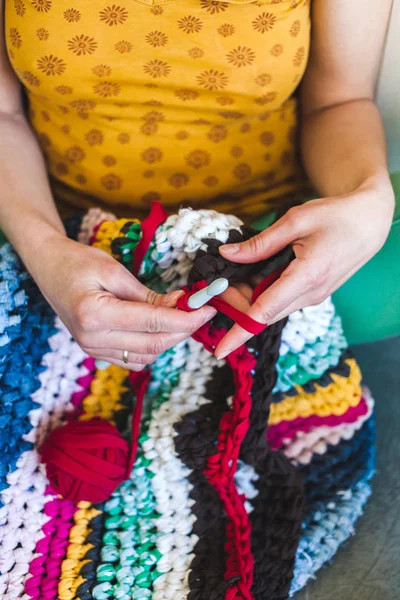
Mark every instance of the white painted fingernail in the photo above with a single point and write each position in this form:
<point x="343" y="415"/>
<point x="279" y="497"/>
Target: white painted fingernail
<point x="101" y="364"/>
<point x="221" y="356"/>
<point x="209" y="315"/>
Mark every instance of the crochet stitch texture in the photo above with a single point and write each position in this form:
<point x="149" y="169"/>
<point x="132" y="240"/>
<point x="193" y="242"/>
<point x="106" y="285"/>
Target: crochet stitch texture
<point x="249" y="474"/>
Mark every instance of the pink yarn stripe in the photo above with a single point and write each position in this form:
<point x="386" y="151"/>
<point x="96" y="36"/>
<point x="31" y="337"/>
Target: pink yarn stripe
<point x="51" y="549"/>
<point x="276" y="434"/>
<point x="46" y="568"/>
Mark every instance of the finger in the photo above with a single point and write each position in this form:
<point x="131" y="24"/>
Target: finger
<point x="138" y="343"/>
<point x="264" y="244"/>
<point x="121" y="315"/>
<point x="311" y="299"/>
<point x="245" y="289"/>
<point x="115" y="356"/>
<point x="120" y="282"/>
<point x="130" y="366"/>
<point x="235" y="297"/>
<point x="291" y="285"/>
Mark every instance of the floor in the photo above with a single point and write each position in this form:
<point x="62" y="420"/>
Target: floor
<point x="368" y="567"/>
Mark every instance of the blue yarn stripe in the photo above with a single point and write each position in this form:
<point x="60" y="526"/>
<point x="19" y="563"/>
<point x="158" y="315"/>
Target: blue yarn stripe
<point x="328" y="530"/>
<point x="26" y="323"/>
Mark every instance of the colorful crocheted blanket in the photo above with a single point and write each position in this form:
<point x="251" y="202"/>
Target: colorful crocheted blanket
<point x="250" y="472"/>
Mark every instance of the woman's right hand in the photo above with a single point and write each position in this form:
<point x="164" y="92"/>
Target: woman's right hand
<point x="106" y="309"/>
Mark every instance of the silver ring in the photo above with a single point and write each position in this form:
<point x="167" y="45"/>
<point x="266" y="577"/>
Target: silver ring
<point x="125" y="356"/>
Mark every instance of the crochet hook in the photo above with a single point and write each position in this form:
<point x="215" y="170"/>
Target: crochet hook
<point x="197" y="300"/>
<point x="201" y="297"/>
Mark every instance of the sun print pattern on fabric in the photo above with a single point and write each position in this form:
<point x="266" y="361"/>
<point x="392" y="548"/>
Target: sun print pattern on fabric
<point x="91" y="68"/>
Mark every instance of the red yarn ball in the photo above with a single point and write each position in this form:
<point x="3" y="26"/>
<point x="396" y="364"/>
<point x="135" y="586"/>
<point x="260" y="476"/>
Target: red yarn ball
<point x="85" y="460"/>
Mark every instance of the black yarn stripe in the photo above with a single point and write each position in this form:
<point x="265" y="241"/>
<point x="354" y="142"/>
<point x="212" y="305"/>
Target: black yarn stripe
<point x="340" y="468"/>
<point x="278" y="508"/>
<point x="342" y="369"/>
<point x="88" y="570"/>
<point x="95" y="537"/>
<point x="195" y="442"/>
<point x="121" y="241"/>
<point x="210" y="264"/>
<point x="266" y="350"/>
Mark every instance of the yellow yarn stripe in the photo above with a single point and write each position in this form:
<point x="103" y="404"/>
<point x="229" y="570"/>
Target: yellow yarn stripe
<point x="105" y="394"/>
<point x="108" y="231"/>
<point x="103" y="401"/>
<point x="334" y="399"/>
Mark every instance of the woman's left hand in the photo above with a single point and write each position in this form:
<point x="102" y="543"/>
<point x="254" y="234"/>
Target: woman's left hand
<point x="331" y="237"/>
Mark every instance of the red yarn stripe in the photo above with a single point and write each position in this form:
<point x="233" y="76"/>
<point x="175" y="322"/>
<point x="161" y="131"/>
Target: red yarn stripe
<point x="221" y="467"/>
<point x="139" y="381"/>
<point x="277" y="434"/>
<point x="156" y="216"/>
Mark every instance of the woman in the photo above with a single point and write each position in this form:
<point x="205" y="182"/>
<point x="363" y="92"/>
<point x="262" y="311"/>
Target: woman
<point x="191" y="103"/>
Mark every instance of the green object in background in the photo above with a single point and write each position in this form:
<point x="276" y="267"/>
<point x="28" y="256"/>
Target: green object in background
<point x="369" y="303"/>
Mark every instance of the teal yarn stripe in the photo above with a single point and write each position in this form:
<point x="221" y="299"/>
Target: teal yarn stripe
<point x="313" y="360"/>
<point x="129" y="552"/>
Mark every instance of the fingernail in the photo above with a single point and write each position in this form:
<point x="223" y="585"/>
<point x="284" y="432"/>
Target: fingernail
<point x="172" y="298"/>
<point x="210" y="313"/>
<point x="230" y="248"/>
<point x="222" y="355"/>
<point x="176" y="295"/>
<point x="102" y="364"/>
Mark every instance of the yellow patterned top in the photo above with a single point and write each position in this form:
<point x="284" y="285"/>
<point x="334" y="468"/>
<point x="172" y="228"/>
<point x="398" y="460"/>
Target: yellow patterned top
<point x="186" y="101"/>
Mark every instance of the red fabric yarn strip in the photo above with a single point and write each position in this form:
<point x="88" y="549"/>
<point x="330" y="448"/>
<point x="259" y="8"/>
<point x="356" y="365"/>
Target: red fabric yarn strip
<point x="149" y="226"/>
<point x="92" y="238"/>
<point x="139" y="381"/>
<point x="247" y="323"/>
<point x="221" y="467"/>
<point x="85" y="460"/>
<point x="267" y="282"/>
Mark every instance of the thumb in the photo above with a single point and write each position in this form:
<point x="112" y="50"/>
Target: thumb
<point x="125" y="286"/>
<point x="263" y="245"/>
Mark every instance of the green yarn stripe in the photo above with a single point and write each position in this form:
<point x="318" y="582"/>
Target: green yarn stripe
<point x="129" y="552"/>
<point x="132" y="236"/>
<point x="313" y="360"/>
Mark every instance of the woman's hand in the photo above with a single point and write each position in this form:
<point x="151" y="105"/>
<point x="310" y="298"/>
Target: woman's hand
<point x="331" y="238"/>
<point x="106" y="309"/>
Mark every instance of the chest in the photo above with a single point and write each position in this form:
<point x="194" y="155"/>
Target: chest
<point x="118" y="51"/>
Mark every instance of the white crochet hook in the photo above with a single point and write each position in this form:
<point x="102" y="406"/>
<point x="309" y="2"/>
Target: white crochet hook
<point x="201" y="297"/>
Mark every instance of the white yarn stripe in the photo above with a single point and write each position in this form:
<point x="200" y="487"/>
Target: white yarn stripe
<point x="180" y="237"/>
<point x="22" y="517"/>
<point x="306" y="326"/>
<point x="304" y="445"/>
<point x="170" y="485"/>
<point x="245" y="477"/>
